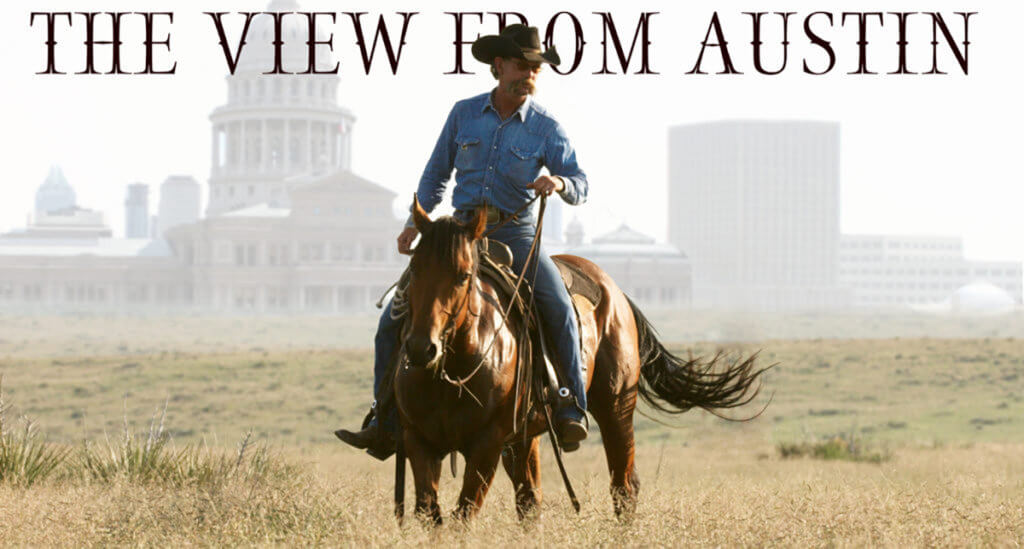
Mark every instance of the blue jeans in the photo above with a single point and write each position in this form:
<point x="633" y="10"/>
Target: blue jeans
<point x="557" y="314"/>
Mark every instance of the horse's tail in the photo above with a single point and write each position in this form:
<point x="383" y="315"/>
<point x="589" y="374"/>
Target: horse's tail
<point x="674" y="385"/>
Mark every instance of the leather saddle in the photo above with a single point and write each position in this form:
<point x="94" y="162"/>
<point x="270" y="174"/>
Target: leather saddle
<point x="585" y="292"/>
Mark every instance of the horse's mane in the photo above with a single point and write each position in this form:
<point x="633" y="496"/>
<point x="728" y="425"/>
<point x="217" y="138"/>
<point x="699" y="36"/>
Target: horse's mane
<point x="442" y="240"/>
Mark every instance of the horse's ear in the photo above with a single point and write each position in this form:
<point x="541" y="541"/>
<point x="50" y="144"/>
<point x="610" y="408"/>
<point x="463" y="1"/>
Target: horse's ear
<point x="419" y="217"/>
<point x="478" y="225"/>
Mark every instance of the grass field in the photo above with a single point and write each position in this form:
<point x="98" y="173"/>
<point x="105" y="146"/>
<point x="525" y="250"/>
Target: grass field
<point x="945" y="415"/>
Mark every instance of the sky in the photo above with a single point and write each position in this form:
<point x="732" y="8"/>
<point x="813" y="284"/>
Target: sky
<point x="920" y="154"/>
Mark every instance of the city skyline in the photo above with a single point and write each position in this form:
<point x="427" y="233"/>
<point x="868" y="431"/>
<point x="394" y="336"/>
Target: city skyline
<point x="914" y="159"/>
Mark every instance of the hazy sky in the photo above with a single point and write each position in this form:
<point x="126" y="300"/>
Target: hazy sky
<point x="920" y="154"/>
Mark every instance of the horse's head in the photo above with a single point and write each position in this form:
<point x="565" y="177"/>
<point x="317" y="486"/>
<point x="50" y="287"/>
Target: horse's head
<point x="444" y="267"/>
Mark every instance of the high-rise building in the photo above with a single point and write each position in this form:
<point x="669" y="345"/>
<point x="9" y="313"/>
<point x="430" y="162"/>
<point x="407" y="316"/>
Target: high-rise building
<point x="179" y="203"/>
<point x="275" y="127"/>
<point x="755" y="206"/>
<point x="136" y="211"/>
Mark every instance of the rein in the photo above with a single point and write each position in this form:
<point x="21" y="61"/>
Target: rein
<point x="460" y="382"/>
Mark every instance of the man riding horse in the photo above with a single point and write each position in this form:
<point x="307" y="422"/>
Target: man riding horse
<point x="497" y="142"/>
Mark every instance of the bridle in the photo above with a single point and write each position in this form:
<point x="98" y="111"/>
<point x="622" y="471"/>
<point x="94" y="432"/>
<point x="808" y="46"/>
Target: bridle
<point x="449" y="328"/>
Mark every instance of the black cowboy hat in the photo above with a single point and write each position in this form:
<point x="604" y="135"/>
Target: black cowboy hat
<point x="517" y="41"/>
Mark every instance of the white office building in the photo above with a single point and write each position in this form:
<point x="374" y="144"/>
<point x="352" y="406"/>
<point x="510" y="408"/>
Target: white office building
<point x="755" y="206"/>
<point x="894" y="271"/>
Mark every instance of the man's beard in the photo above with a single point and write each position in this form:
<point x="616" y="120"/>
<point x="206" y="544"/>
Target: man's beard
<point x="523" y="86"/>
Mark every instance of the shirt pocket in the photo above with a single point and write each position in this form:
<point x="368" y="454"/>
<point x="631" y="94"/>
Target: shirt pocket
<point x="524" y="164"/>
<point x="469" y="154"/>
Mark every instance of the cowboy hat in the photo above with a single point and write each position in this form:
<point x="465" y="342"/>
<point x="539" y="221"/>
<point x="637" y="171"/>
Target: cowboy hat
<point x="517" y="41"/>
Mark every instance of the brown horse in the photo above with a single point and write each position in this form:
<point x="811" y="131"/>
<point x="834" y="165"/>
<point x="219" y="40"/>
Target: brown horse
<point x="455" y="314"/>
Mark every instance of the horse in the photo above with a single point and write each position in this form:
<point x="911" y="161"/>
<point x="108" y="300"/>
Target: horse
<point x="455" y="314"/>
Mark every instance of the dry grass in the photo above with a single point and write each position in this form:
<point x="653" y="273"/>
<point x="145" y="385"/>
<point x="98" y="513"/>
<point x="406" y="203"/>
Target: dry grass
<point x="724" y="494"/>
<point x="945" y="413"/>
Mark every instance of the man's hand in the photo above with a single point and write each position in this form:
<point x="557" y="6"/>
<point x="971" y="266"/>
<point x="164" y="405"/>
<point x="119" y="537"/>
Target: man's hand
<point x="405" y="240"/>
<point x="546" y="185"/>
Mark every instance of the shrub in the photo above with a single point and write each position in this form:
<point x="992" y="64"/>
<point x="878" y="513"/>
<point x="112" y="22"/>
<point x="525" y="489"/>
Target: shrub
<point x="152" y="458"/>
<point x="24" y="457"/>
<point x="844" y="446"/>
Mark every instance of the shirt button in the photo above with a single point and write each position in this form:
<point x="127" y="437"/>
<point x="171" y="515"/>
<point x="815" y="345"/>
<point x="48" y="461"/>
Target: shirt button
<point x="490" y="168"/>
<point x="495" y="147"/>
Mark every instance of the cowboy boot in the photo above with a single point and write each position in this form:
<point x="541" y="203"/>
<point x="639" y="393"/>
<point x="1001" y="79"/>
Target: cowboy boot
<point x="570" y="426"/>
<point x="362" y="439"/>
<point x="378" y="442"/>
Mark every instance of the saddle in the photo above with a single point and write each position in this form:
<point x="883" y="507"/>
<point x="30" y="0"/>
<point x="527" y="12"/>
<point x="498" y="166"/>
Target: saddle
<point x="585" y="292"/>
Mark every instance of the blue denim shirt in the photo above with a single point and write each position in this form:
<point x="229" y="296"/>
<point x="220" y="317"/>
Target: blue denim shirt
<point x="495" y="159"/>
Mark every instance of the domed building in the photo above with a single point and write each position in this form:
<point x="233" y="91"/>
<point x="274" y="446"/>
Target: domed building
<point x="654" y="275"/>
<point x="288" y="226"/>
<point x="981" y="297"/>
<point x="276" y="126"/>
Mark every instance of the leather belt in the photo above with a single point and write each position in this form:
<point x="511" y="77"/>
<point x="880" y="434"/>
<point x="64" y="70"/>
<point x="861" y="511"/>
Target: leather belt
<point x="494" y="215"/>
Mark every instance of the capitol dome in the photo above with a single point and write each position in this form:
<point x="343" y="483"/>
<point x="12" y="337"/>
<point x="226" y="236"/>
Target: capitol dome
<point x="258" y="54"/>
<point x="55" y="193"/>
<point x="981" y="297"/>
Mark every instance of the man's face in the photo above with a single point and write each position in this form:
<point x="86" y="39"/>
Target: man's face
<point x="518" y="76"/>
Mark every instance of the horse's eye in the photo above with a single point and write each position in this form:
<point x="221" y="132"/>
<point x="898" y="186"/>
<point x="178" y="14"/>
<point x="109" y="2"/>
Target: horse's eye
<point x="463" y="278"/>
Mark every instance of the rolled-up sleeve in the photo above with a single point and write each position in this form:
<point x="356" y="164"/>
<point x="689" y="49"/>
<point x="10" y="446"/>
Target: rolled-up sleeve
<point x="560" y="159"/>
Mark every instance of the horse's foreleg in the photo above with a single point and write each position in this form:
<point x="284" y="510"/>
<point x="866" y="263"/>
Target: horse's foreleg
<point x="426" y="473"/>
<point x="523" y="466"/>
<point x="481" y="463"/>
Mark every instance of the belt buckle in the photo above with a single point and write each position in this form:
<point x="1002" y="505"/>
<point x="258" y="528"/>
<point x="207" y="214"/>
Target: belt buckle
<point x="493" y="215"/>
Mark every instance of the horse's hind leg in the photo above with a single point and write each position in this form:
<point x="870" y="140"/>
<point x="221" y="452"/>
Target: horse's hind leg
<point x="426" y="473"/>
<point x="614" y="414"/>
<point x="522" y="463"/>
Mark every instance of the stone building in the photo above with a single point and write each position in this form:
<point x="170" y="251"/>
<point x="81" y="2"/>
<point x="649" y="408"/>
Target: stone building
<point x="332" y="251"/>
<point x="274" y="127"/>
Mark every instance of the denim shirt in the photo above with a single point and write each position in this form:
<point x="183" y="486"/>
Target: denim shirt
<point x="495" y="159"/>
